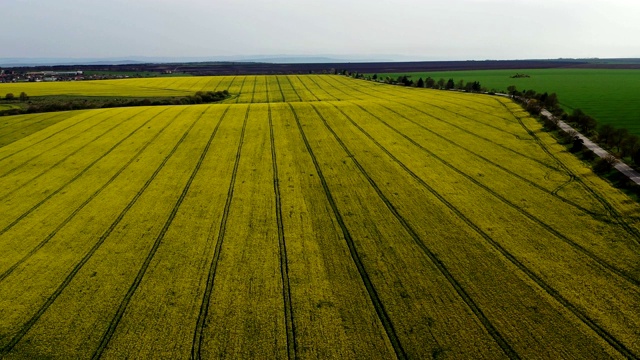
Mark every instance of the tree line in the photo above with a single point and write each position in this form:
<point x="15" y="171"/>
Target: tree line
<point x="50" y="104"/>
<point x="618" y="141"/>
<point x="429" y="82"/>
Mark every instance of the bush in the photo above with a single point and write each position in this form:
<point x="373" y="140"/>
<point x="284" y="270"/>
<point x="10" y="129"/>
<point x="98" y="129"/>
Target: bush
<point x="588" y="154"/>
<point x="604" y="165"/>
<point x="577" y="144"/>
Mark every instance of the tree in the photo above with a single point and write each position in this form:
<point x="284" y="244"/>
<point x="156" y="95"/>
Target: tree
<point x="605" y="132"/>
<point x="404" y="80"/>
<point x="551" y="101"/>
<point x="512" y="90"/>
<point x="636" y="156"/>
<point x="24" y="96"/>
<point x="460" y="84"/>
<point x="630" y="145"/>
<point x="576" y="115"/>
<point x="588" y="125"/>
<point x="619" y="136"/>
<point x="584" y="121"/>
<point x="577" y="144"/>
<point x="468" y="86"/>
<point x="604" y="165"/>
<point x="9" y="96"/>
<point x="533" y="107"/>
<point x="476" y="86"/>
<point x="420" y="83"/>
<point x="375" y="77"/>
<point x="429" y="82"/>
<point x="450" y="84"/>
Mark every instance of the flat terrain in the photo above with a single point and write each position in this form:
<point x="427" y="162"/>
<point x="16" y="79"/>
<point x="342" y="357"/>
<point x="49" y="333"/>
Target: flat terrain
<point x="610" y="96"/>
<point x="308" y="217"/>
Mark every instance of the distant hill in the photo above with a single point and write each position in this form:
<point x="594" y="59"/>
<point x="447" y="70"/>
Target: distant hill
<point x="274" y="59"/>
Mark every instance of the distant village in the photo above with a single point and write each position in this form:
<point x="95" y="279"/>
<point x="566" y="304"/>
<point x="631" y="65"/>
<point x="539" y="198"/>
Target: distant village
<point x="13" y="76"/>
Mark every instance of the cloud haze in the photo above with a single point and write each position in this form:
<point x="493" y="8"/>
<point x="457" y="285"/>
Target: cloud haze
<point x="453" y="29"/>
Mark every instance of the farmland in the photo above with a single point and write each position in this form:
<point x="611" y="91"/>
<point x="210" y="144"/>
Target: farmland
<point x="609" y="95"/>
<point x="307" y="217"/>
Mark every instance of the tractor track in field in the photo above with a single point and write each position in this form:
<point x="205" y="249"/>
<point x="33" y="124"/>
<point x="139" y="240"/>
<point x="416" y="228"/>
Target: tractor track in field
<point x="409" y="98"/>
<point x="406" y="98"/>
<point x="33" y="123"/>
<point x="373" y="294"/>
<point x="217" y="85"/>
<point x="459" y="128"/>
<point x="255" y="83"/>
<point x="70" y="154"/>
<point x="115" y="321"/>
<point x="562" y="167"/>
<point x="76" y="177"/>
<point x="292" y="346"/>
<point x="349" y="97"/>
<point x="604" y="334"/>
<point x="408" y="93"/>
<point x="51" y="299"/>
<point x="231" y="82"/>
<point x="280" y="88"/>
<point x="10" y="171"/>
<point x="206" y="86"/>
<point x="36" y="117"/>
<point x="481" y="137"/>
<point x="98" y="113"/>
<point x="608" y="207"/>
<point x="293" y="88"/>
<point x="553" y="193"/>
<point x="323" y="89"/>
<point x="306" y="88"/>
<point x="175" y="81"/>
<point x="493" y="332"/>
<point x="8" y="272"/>
<point x="569" y="202"/>
<point x="198" y="333"/>
<point x="241" y="88"/>
<point x="621" y="273"/>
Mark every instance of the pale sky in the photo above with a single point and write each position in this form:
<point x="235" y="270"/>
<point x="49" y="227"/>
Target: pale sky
<point x="420" y="29"/>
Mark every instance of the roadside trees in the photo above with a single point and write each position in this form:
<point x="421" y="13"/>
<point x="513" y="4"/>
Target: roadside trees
<point x="619" y="136"/>
<point x="430" y="82"/>
<point x="450" y="84"/>
<point x="605" y="132"/>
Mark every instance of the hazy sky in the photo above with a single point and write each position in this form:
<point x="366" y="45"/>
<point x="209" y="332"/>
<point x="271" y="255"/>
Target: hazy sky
<point x="420" y="29"/>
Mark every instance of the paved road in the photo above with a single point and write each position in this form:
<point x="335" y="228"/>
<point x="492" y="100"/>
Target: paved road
<point x="622" y="167"/>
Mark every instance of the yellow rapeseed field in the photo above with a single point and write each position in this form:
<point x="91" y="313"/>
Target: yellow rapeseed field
<point x="307" y="216"/>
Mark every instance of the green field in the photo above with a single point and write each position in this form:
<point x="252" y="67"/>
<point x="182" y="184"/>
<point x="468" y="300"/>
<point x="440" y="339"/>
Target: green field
<point x="309" y="217"/>
<point x="610" y="96"/>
